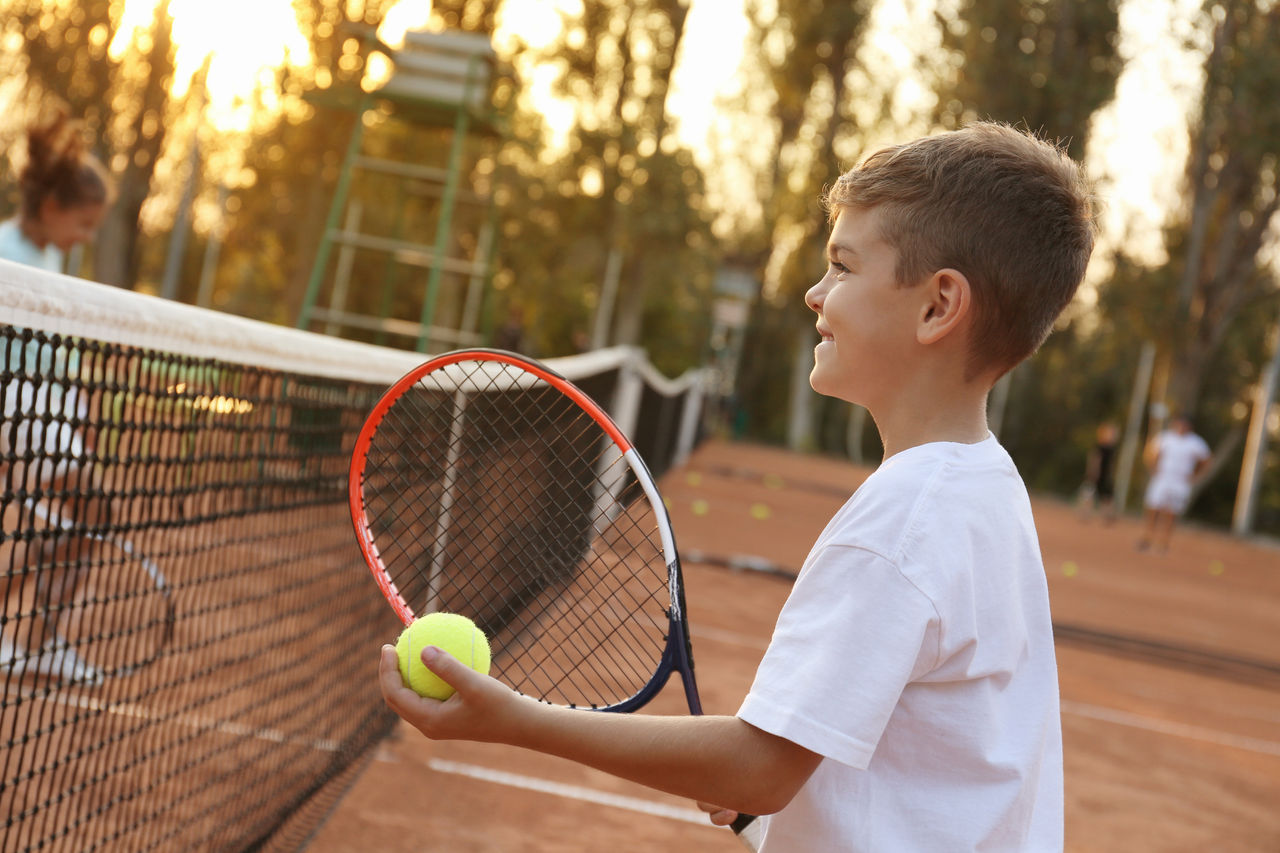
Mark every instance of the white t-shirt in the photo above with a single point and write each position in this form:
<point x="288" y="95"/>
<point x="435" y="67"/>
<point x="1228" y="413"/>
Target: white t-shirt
<point x="14" y="246"/>
<point x="915" y="654"/>
<point x="1179" y="453"/>
<point x="25" y="404"/>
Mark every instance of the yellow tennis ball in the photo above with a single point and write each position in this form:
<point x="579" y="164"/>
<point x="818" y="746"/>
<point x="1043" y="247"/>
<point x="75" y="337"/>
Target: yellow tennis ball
<point x="454" y="633"/>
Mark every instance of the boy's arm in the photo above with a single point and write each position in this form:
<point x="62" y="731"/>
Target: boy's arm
<point x="717" y="759"/>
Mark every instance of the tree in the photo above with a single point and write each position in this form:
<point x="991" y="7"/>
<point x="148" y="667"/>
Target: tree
<point x="1048" y="64"/>
<point x="1232" y="170"/>
<point x="615" y="60"/>
<point x="803" y="53"/>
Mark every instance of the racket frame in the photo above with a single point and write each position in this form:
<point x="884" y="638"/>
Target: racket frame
<point x="677" y="654"/>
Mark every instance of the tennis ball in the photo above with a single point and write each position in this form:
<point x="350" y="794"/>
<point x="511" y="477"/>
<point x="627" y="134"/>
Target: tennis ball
<point x="454" y="633"/>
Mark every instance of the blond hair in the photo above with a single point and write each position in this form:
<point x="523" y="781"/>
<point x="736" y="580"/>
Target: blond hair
<point x="1010" y="211"/>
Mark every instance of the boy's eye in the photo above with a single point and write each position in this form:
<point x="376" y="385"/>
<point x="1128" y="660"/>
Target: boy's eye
<point x="840" y="269"/>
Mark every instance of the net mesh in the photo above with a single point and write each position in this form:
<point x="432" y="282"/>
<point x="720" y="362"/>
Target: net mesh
<point x="189" y="630"/>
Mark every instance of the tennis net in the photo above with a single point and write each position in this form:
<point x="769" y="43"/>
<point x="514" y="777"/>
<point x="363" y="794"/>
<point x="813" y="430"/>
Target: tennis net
<point x="189" y="632"/>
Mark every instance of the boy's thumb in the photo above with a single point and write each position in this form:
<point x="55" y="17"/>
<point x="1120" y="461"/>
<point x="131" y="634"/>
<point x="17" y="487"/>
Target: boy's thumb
<point x="445" y="665"/>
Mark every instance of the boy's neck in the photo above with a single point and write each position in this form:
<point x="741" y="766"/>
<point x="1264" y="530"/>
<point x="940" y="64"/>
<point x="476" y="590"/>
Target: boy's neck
<point x="959" y="416"/>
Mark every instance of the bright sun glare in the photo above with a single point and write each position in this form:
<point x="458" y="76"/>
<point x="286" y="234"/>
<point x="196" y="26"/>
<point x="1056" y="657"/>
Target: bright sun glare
<point x="243" y="56"/>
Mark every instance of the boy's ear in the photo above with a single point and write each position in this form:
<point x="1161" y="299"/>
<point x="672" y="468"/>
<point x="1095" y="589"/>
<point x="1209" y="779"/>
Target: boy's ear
<point x="948" y="301"/>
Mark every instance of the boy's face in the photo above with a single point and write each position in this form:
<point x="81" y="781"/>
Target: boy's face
<point x="866" y="320"/>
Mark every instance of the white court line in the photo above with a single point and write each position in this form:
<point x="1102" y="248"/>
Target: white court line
<point x="635" y="804"/>
<point x="138" y="712"/>
<point x="1164" y="727"/>
<point x="731" y="637"/>
<point x="570" y="792"/>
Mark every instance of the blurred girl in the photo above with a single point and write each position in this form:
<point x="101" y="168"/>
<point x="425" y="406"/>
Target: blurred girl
<point x="44" y="453"/>
<point x="65" y="193"/>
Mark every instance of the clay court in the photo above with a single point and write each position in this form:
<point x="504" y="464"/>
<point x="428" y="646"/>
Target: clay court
<point x="1169" y="670"/>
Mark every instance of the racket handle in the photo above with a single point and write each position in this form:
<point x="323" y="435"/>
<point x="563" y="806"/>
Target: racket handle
<point x="747" y="828"/>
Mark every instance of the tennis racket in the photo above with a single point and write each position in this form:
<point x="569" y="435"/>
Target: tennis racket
<point x="122" y="614"/>
<point x="486" y="484"/>
<point x="99" y="597"/>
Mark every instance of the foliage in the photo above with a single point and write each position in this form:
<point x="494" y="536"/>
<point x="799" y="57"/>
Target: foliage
<point x="803" y="53"/>
<point x="619" y="183"/>
<point x="1210" y="307"/>
<point x="1232" y="170"/>
<point x="1045" y="64"/>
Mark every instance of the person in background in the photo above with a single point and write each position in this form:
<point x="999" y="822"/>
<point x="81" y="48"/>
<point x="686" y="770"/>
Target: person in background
<point x="65" y="193"/>
<point x="1178" y="457"/>
<point x="1098" y="491"/>
<point x="44" y="453"/>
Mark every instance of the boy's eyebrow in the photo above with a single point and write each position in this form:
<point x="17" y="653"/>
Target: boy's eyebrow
<point x="834" y="248"/>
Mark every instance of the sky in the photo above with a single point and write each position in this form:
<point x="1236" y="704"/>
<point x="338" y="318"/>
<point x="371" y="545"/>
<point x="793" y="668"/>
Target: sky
<point x="1139" y="140"/>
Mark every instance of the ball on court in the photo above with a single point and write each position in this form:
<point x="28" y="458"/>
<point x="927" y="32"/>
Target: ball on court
<point x="454" y="633"/>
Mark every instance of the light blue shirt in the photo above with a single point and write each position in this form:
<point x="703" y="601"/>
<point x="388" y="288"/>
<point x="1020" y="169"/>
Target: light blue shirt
<point x="14" y="246"/>
<point x="55" y="364"/>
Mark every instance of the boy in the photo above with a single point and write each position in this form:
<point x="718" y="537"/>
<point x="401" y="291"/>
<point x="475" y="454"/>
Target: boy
<point x="908" y="699"/>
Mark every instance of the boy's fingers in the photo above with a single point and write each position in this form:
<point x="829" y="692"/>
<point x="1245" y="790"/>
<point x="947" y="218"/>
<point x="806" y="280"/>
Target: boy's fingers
<point x="387" y="660"/>
<point x="394" y="690"/>
<point x="719" y="816"/>
<point x="389" y="668"/>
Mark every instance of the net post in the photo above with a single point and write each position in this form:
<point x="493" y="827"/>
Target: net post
<point x="690" y="417"/>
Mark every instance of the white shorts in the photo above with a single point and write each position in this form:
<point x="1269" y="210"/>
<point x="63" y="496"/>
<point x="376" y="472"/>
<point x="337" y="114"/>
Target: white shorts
<point x="1169" y="495"/>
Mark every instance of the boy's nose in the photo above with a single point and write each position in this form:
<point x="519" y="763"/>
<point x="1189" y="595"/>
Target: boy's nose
<point x="813" y="298"/>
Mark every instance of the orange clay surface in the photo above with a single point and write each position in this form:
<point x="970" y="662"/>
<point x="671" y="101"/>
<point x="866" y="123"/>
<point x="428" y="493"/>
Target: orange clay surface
<point x="1159" y="756"/>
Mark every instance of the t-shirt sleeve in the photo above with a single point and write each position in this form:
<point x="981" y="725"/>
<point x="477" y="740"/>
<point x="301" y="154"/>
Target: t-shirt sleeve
<point x="851" y="636"/>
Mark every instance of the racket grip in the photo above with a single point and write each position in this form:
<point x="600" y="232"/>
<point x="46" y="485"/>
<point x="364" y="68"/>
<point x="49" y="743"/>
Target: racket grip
<point x="747" y="828"/>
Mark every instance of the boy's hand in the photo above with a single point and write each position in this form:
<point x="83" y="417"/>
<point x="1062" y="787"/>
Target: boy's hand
<point x="482" y="709"/>
<point x="719" y="816"/>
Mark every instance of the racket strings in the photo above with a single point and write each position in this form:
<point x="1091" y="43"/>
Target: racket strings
<point x="596" y="618"/>
<point x="524" y="516"/>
